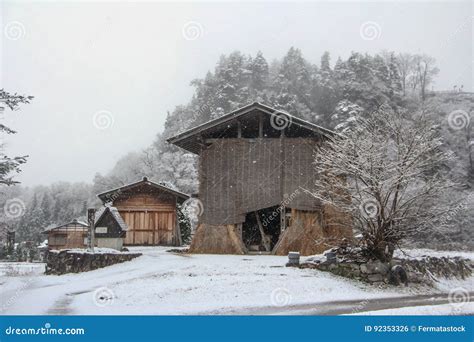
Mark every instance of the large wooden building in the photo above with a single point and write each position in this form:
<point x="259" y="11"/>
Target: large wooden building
<point x="256" y="175"/>
<point x="149" y="210"/>
<point x="66" y="236"/>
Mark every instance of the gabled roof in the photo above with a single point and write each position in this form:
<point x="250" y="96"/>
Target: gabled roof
<point x="73" y="223"/>
<point x="115" y="214"/>
<point x="186" y="139"/>
<point x="107" y="195"/>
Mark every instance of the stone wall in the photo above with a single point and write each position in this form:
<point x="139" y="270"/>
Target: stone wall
<point x="397" y="271"/>
<point x="109" y="242"/>
<point x="73" y="261"/>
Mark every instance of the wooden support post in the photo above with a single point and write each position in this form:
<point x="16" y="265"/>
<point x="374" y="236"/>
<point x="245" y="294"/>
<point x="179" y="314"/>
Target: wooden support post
<point x="239" y="130"/>
<point x="265" y="238"/>
<point x="260" y="126"/>
<point x="91" y="222"/>
<point x="282" y="180"/>
<point x="178" y="240"/>
<point x="282" y="218"/>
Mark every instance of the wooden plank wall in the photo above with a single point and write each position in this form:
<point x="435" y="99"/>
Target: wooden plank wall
<point x="238" y="176"/>
<point x="75" y="238"/>
<point x="151" y="219"/>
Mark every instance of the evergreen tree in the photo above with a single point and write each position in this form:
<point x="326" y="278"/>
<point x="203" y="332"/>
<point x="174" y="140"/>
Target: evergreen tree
<point x="259" y="68"/>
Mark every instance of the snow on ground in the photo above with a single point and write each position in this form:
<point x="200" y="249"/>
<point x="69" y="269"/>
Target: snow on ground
<point x="97" y="250"/>
<point x="444" y="309"/>
<point x="168" y="283"/>
<point x="11" y="269"/>
<point x="420" y="252"/>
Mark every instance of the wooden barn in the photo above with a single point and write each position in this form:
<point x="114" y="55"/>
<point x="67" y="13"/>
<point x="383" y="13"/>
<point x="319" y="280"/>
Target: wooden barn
<point x="256" y="173"/>
<point x="149" y="210"/>
<point x="68" y="235"/>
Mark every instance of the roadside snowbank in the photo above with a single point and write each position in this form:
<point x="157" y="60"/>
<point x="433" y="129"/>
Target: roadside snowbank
<point x="444" y="309"/>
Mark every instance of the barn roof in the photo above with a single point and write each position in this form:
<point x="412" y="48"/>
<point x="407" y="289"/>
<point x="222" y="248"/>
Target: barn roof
<point x="107" y="195"/>
<point x="115" y="214"/>
<point x="189" y="140"/>
<point x="73" y="223"/>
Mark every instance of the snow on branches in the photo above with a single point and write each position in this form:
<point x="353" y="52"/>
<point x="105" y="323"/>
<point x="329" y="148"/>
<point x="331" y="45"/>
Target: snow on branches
<point x="387" y="172"/>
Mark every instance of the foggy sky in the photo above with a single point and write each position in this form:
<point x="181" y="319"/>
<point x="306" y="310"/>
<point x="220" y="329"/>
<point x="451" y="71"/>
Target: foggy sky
<point x="133" y="62"/>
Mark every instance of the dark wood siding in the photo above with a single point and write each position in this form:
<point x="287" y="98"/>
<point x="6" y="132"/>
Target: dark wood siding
<point x="238" y="176"/>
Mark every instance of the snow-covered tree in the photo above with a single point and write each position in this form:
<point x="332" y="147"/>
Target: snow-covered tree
<point x="10" y="165"/>
<point x="386" y="172"/>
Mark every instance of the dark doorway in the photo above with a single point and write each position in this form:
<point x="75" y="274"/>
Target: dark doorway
<point x="268" y="223"/>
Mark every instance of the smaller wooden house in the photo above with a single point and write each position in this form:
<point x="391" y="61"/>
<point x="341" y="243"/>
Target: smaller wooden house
<point x="149" y="210"/>
<point x="110" y="228"/>
<point x="68" y="235"/>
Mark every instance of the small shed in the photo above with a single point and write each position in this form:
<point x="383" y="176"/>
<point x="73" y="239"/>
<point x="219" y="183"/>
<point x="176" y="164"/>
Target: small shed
<point x="256" y="177"/>
<point x="149" y="210"/>
<point x="110" y="228"/>
<point x="68" y="235"/>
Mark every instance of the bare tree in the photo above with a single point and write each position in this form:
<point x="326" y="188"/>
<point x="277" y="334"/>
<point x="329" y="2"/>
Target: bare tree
<point x="425" y="72"/>
<point x="386" y="173"/>
<point x="406" y="69"/>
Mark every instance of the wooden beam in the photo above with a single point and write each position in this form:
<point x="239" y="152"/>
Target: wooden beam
<point x="265" y="239"/>
<point x="239" y="129"/>
<point x="282" y="219"/>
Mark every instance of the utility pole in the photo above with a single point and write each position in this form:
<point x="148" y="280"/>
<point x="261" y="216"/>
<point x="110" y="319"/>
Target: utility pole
<point x="91" y="223"/>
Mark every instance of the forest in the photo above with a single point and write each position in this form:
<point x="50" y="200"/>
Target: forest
<point x="328" y="93"/>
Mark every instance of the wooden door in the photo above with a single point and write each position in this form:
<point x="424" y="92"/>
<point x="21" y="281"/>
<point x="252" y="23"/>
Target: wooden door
<point x="149" y="227"/>
<point x="162" y="223"/>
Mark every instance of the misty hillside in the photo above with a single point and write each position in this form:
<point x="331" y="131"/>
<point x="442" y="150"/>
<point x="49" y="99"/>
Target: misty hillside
<point x="328" y="93"/>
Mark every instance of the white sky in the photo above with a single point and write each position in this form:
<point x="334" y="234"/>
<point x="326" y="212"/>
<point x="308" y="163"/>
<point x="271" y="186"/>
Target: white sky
<point x="131" y="59"/>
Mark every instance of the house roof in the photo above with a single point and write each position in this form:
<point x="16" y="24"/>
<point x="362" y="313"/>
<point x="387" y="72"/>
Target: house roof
<point x="115" y="214"/>
<point x="74" y="223"/>
<point x="107" y="195"/>
<point x="188" y="140"/>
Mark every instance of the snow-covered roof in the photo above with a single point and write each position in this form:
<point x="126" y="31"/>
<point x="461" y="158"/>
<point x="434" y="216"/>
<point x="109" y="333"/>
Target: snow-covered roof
<point x="115" y="214"/>
<point x="190" y="139"/>
<point x="107" y="195"/>
<point x="70" y="225"/>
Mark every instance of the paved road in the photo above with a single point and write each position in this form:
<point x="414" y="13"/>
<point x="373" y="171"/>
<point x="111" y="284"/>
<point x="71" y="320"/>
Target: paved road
<point x="349" y="306"/>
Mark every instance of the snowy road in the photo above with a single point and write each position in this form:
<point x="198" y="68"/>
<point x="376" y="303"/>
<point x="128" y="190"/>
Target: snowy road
<point x="165" y="283"/>
<point x="354" y="307"/>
